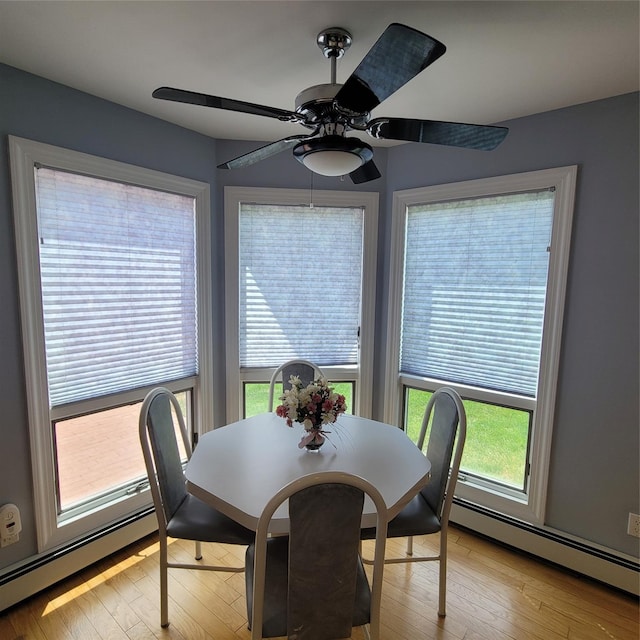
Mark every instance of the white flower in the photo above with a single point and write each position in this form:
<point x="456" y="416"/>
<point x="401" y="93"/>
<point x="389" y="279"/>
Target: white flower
<point x="313" y="405"/>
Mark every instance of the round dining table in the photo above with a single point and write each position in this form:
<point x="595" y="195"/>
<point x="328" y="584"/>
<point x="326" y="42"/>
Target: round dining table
<point x="239" y="467"/>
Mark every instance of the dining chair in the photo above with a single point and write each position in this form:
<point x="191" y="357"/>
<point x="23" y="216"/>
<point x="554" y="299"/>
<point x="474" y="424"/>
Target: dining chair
<point x="179" y="514"/>
<point x="305" y="370"/>
<point x="311" y="584"/>
<point x="428" y="512"/>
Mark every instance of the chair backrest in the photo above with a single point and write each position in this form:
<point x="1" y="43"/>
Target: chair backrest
<point x="161" y="452"/>
<point x="304" y="369"/>
<point x="446" y="415"/>
<point x="325" y="513"/>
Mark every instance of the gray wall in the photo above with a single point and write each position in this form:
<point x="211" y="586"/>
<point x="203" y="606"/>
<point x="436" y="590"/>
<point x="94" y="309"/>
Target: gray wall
<point x="594" y="476"/>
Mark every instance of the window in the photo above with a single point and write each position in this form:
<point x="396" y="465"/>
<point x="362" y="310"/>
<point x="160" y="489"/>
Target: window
<point x="300" y="280"/>
<point x="480" y="270"/>
<point x="110" y="258"/>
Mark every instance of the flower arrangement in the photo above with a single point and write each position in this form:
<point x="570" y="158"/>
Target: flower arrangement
<point x="314" y="406"/>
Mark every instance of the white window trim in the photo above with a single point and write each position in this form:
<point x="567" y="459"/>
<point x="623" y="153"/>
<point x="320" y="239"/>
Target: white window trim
<point x="24" y="155"/>
<point x="531" y="506"/>
<point x="233" y="197"/>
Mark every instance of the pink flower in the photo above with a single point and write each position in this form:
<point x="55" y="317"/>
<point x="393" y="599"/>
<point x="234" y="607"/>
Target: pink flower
<point x="312" y="405"/>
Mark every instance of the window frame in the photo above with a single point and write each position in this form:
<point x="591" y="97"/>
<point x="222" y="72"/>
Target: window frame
<point x="51" y="530"/>
<point x="361" y="375"/>
<point x="529" y="506"/>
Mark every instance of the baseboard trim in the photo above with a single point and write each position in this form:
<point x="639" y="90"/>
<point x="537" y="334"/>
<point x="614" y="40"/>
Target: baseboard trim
<point x="604" y="565"/>
<point x="23" y="580"/>
<point x="622" y="572"/>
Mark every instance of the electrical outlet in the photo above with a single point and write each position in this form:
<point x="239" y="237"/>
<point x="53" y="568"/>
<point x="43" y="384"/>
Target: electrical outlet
<point x="633" y="528"/>
<point x="10" y="524"/>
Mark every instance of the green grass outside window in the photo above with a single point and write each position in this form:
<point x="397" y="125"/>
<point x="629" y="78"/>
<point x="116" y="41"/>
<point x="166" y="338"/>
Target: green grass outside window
<point x="497" y="438"/>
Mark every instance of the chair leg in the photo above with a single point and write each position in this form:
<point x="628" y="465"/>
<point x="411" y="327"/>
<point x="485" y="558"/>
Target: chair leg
<point x="198" y="550"/>
<point x="442" y="580"/>
<point x="164" y="598"/>
<point x="410" y="546"/>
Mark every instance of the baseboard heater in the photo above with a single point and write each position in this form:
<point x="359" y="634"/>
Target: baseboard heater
<point x="616" y="570"/>
<point x="25" y="579"/>
<point x="580" y="556"/>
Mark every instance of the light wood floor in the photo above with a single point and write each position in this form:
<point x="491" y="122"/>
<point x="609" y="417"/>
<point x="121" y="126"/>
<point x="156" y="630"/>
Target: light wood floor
<point x="493" y="594"/>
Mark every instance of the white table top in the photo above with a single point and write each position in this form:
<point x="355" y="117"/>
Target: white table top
<point x="239" y="467"/>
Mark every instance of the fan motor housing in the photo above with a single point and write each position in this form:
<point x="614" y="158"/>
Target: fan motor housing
<point x="316" y="105"/>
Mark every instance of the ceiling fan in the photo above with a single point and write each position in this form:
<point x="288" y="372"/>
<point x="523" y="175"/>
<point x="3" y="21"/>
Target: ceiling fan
<point x="332" y="110"/>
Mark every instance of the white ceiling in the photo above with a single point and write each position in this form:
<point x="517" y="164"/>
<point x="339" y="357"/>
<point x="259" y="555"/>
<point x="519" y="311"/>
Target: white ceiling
<point x="504" y="59"/>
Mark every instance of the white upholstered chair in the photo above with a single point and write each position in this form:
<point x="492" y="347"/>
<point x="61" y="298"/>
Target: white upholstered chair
<point x="428" y="512"/>
<point x="311" y="585"/>
<point x="179" y="514"/>
<point x="307" y="372"/>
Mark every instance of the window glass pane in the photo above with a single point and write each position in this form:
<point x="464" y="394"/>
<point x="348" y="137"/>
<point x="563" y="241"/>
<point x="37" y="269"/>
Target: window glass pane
<point x="300" y="284"/>
<point x="475" y="279"/>
<point x="497" y="441"/>
<point x="100" y="452"/>
<point x="118" y="271"/>
<point x="256" y="396"/>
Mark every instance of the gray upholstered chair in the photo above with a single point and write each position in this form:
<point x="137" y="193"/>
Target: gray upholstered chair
<point x="304" y="369"/>
<point x="429" y="510"/>
<point x="179" y="514"/>
<point x="311" y="585"/>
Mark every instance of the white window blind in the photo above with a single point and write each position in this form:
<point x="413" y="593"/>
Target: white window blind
<point x="118" y="274"/>
<point x="475" y="280"/>
<point x="300" y="284"/>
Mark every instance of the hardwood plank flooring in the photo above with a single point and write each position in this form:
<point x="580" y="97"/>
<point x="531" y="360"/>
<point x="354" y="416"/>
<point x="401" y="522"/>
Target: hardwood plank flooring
<point x="493" y="594"/>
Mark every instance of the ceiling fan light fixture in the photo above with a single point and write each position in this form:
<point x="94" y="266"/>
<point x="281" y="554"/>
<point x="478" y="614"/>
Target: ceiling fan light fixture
<point x="333" y="155"/>
<point x="332" y="163"/>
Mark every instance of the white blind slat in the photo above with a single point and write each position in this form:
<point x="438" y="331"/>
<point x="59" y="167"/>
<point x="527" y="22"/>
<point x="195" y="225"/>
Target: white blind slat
<point x="118" y="275"/>
<point x="300" y="284"/>
<point x="475" y="279"/>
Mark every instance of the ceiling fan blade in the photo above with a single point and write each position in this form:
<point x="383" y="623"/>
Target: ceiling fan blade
<point x="216" y="102"/>
<point x="262" y="153"/>
<point x="455" y="134"/>
<point x="368" y="171"/>
<point x="399" y="55"/>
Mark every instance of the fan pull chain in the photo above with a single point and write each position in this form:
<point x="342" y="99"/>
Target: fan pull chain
<point x="311" y="192"/>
